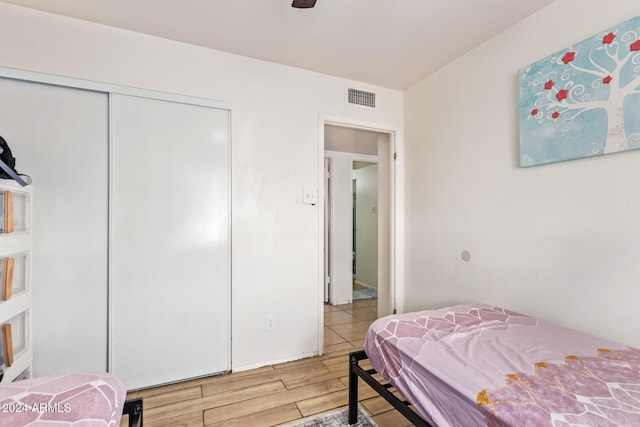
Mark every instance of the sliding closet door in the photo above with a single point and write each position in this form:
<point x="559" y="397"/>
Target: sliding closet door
<point x="59" y="136"/>
<point x="170" y="241"/>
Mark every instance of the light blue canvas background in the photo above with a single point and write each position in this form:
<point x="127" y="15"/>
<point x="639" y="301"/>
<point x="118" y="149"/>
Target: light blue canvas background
<point x="548" y="140"/>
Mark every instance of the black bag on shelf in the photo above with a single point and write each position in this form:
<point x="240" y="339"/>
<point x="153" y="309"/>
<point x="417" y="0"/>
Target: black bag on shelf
<point x="8" y="165"/>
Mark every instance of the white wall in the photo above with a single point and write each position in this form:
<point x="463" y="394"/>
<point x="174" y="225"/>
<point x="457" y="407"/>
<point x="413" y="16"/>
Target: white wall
<point x="559" y="241"/>
<point x="275" y="149"/>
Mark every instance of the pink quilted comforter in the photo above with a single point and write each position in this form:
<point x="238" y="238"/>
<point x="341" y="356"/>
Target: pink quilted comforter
<point x="474" y="365"/>
<point x="79" y="400"/>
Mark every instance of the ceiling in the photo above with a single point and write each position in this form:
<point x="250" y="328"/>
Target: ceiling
<point x="390" y="43"/>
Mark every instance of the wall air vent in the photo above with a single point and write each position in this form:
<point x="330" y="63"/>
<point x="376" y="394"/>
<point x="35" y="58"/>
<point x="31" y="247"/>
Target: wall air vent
<point x="360" y="97"/>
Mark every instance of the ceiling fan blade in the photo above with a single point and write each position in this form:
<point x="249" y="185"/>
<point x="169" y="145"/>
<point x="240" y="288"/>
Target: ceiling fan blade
<point x="303" y="4"/>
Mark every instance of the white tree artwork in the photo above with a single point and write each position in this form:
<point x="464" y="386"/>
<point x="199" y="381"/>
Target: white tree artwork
<point x="584" y="100"/>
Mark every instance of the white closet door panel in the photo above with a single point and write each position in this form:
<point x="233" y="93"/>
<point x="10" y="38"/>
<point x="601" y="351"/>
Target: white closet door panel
<point x="170" y="241"/>
<point x="59" y="136"/>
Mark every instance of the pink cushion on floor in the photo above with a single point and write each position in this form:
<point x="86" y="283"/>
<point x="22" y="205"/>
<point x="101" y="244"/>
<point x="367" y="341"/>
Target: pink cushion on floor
<point x="79" y="400"/>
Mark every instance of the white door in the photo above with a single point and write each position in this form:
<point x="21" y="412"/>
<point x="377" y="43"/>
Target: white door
<point x="59" y="136"/>
<point x="170" y="241"/>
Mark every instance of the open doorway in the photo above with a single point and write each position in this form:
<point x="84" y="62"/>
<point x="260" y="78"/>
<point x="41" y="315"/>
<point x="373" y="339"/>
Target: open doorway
<point x="365" y="229"/>
<point x="354" y="259"/>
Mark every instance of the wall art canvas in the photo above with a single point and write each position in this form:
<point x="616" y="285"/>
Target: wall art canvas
<point x="583" y="100"/>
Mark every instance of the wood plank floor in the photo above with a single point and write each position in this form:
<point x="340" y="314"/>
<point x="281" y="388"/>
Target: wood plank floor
<point x="277" y="394"/>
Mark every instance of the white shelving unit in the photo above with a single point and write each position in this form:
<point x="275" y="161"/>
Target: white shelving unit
<point x="15" y="248"/>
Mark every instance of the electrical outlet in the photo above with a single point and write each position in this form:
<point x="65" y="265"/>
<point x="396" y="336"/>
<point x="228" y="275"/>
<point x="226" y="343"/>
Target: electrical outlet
<point x="271" y="323"/>
<point x="309" y="197"/>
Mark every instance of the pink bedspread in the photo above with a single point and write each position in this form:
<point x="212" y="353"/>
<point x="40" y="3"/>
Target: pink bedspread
<point x="454" y="365"/>
<point x="79" y="400"/>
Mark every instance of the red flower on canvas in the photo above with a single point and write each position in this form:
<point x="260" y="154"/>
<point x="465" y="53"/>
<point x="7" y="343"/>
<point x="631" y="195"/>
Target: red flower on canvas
<point x="562" y="94"/>
<point x="568" y="57"/>
<point x="555" y="115"/>
<point x="548" y="85"/>
<point x="607" y="80"/>
<point x="635" y="45"/>
<point x="608" y="39"/>
<point x="534" y="111"/>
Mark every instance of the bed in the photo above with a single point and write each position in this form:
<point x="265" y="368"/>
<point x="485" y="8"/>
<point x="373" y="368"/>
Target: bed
<point x="477" y="365"/>
<point x="68" y="400"/>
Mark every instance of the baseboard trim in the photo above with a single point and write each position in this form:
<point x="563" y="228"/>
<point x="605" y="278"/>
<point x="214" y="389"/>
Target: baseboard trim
<point x="274" y="362"/>
<point x="366" y="285"/>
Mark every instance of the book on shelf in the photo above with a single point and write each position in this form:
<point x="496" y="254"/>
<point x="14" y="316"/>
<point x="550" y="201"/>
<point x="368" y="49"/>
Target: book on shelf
<point x="7" y="277"/>
<point x="7" y="340"/>
<point x="8" y="212"/>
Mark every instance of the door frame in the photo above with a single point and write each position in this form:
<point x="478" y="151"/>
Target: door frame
<point x="396" y="273"/>
<point x="327" y="209"/>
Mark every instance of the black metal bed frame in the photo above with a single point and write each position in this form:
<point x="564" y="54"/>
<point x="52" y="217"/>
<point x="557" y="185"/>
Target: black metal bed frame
<point x="133" y="408"/>
<point x="355" y="371"/>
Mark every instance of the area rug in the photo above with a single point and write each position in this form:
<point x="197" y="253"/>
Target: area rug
<point x="335" y="419"/>
<point x="365" y="293"/>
